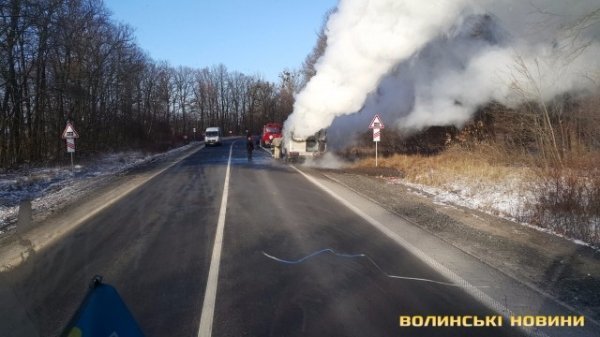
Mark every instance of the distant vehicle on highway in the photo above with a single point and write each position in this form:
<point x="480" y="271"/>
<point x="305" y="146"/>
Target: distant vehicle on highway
<point x="297" y="148"/>
<point x="270" y="132"/>
<point x="212" y="136"/>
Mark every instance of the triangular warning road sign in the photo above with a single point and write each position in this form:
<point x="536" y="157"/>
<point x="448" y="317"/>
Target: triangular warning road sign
<point x="376" y="123"/>
<point x="69" y="132"/>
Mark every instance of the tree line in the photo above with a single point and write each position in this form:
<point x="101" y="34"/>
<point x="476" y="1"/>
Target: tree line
<point x="66" y="60"/>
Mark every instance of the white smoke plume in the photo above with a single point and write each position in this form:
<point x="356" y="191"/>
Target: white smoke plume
<point x="423" y="63"/>
<point x="328" y="161"/>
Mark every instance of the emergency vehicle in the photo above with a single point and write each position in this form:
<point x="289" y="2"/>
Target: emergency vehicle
<point x="270" y="132"/>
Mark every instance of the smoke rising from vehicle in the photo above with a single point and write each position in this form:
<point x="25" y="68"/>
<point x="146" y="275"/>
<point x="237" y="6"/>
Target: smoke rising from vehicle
<point x="423" y="63"/>
<point x="328" y="161"/>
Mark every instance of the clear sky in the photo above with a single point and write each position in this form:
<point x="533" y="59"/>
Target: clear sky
<point x="251" y="36"/>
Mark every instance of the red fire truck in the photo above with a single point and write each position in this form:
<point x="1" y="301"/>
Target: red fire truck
<point x="270" y="132"/>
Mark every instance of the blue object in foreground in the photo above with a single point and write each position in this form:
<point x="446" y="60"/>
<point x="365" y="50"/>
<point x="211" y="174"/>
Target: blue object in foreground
<point x="102" y="314"/>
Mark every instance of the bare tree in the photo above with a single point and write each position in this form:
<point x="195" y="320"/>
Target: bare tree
<point x="63" y="60"/>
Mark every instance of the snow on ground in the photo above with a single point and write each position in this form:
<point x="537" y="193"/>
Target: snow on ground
<point x="505" y="198"/>
<point x="510" y="198"/>
<point x="50" y="187"/>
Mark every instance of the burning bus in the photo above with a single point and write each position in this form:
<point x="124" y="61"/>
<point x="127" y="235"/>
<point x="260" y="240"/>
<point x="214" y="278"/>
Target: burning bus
<point x="298" y="148"/>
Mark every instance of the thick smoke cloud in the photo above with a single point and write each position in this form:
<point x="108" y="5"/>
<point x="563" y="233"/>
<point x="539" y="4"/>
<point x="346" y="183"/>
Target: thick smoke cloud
<point x="423" y="63"/>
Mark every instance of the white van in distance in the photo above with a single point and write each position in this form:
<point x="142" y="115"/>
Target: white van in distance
<point x="212" y="136"/>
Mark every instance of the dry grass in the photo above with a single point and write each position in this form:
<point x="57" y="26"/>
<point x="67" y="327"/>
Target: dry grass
<point x="564" y="199"/>
<point x="483" y="163"/>
<point x="568" y="200"/>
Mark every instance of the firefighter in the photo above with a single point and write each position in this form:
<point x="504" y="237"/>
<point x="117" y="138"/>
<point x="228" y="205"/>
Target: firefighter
<point x="276" y="145"/>
<point x="249" y="145"/>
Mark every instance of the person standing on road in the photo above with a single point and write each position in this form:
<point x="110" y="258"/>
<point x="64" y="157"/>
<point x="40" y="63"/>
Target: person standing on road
<point x="249" y="145"/>
<point x="276" y="147"/>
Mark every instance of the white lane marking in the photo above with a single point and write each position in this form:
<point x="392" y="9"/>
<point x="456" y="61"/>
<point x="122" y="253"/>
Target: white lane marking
<point x="443" y="270"/>
<point x="210" y="294"/>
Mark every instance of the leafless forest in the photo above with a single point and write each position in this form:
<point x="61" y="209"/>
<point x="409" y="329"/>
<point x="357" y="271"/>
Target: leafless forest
<point x="68" y="60"/>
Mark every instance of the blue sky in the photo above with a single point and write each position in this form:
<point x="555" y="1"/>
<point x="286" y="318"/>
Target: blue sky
<point x="252" y="36"/>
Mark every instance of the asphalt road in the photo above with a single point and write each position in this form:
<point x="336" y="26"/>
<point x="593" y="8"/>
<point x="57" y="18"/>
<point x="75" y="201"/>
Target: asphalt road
<point x="155" y="246"/>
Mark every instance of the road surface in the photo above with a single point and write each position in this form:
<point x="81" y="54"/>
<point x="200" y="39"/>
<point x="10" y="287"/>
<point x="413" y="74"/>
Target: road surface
<point x="156" y="246"/>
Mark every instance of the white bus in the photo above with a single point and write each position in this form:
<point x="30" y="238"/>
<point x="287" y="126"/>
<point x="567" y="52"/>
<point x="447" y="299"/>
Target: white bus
<point x="296" y="148"/>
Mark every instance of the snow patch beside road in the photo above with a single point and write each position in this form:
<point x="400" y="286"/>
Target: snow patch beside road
<point x="507" y="198"/>
<point x="50" y="187"/>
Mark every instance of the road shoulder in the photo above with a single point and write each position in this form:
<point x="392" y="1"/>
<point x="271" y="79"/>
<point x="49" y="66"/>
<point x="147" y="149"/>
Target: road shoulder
<point x="16" y="246"/>
<point x="545" y="274"/>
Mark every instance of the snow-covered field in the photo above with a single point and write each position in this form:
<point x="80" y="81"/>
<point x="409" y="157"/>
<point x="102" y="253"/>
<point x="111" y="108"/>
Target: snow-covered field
<point x="50" y="187"/>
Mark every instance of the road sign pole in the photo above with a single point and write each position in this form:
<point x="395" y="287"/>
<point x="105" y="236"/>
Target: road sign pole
<point x="376" y="125"/>
<point x="376" y="139"/>
<point x="69" y="134"/>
